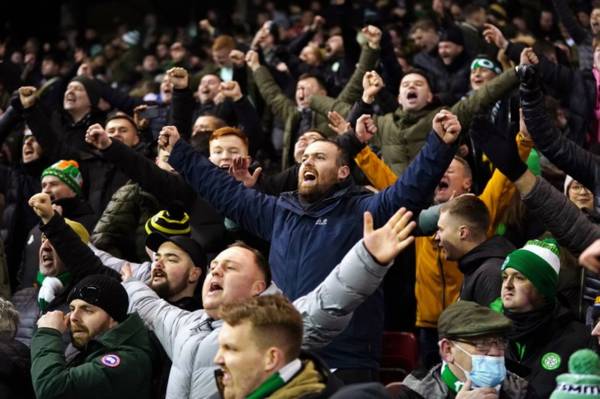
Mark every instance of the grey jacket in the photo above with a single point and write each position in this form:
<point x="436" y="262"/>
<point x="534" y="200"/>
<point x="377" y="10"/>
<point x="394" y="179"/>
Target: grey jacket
<point x="190" y="338"/>
<point x="431" y="386"/>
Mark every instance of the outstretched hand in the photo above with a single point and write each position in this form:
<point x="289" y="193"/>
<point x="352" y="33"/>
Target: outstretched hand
<point x="240" y="172"/>
<point x="337" y="123"/>
<point x="385" y="243"/>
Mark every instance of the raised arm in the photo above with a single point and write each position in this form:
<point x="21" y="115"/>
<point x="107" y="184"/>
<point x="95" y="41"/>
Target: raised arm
<point x="414" y="187"/>
<point x="582" y="165"/>
<point x="253" y="210"/>
<point x="328" y="308"/>
<point x="77" y="257"/>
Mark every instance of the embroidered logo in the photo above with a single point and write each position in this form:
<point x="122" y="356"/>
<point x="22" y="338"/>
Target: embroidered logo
<point x="321" y="222"/>
<point x="551" y="361"/>
<point x="111" y="360"/>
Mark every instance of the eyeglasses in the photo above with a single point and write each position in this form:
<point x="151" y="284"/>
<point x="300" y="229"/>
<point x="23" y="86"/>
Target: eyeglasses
<point x="577" y="187"/>
<point x="485" y="345"/>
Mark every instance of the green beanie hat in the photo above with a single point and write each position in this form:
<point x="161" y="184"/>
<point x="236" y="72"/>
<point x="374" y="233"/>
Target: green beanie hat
<point x="539" y="261"/>
<point x="583" y="379"/>
<point x="68" y="173"/>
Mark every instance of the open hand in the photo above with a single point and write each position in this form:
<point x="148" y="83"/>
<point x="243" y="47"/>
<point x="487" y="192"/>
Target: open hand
<point x="385" y="243"/>
<point x="240" y="172"/>
<point x="337" y="123"/>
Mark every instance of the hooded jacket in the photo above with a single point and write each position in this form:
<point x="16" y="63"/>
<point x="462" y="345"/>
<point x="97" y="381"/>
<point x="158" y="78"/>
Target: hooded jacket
<point x="482" y="280"/>
<point x="115" y="364"/>
<point x="190" y="338"/>
<point x="308" y="241"/>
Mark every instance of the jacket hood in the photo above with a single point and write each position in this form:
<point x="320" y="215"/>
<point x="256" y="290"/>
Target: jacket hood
<point x="131" y="330"/>
<point x="496" y="247"/>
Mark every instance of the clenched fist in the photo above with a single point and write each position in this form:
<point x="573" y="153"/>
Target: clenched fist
<point x="447" y="126"/>
<point x="42" y="206"/>
<point x="167" y="138"/>
<point x="179" y="77"/>
<point x="27" y="96"/>
<point x="373" y="35"/>
<point x="252" y="60"/>
<point x="97" y="136"/>
<point x="231" y="90"/>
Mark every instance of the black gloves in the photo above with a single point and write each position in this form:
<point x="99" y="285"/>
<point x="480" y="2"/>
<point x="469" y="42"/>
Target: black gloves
<point x="530" y="88"/>
<point x="500" y="148"/>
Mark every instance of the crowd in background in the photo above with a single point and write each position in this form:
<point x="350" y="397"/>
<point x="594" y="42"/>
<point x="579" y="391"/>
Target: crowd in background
<point x="247" y="199"/>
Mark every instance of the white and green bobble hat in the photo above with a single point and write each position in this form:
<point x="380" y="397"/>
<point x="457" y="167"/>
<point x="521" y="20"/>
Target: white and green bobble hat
<point x="583" y="378"/>
<point x="539" y="262"/>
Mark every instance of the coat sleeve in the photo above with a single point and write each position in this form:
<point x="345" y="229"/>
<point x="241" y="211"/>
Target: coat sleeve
<point x="353" y="89"/>
<point x="414" y="188"/>
<point x="253" y="210"/>
<point x="141" y="271"/>
<point x="249" y="122"/>
<point x="379" y="174"/>
<point x="164" y="319"/>
<point x="327" y="309"/>
<point x="77" y="256"/>
<point x="575" y="161"/>
<point x="160" y="183"/>
<point x="280" y="105"/>
<point x="52" y="378"/>
<point x="487" y="95"/>
<point x="183" y="109"/>
<point x="562" y="218"/>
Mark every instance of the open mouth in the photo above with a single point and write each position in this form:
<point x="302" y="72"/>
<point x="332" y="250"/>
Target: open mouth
<point x="225" y="166"/>
<point x="28" y="151"/>
<point x="443" y="185"/>
<point x="215" y="287"/>
<point x="411" y="95"/>
<point x="309" y="176"/>
<point x="158" y="274"/>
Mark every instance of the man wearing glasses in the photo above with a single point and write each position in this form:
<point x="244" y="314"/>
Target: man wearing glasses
<point x="472" y="344"/>
<point x="115" y="353"/>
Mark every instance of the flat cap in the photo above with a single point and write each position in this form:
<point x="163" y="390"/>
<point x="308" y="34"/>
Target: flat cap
<point x="465" y="319"/>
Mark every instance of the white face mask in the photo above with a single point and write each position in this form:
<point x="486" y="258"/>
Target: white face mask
<point x="486" y="371"/>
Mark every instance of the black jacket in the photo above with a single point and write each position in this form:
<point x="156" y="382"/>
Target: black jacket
<point x="548" y="347"/>
<point x="18" y="184"/>
<point x="15" y="377"/>
<point x="207" y="224"/>
<point x="481" y="268"/>
<point x="73" y="208"/>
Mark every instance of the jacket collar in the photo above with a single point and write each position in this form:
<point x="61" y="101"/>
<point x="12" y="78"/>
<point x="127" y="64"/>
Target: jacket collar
<point x="495" y="247"/>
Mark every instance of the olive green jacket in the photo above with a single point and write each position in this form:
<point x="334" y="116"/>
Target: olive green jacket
<point x="401" y="134"/>
<point x="285" y="108"/>
<point x="116" y="364"/>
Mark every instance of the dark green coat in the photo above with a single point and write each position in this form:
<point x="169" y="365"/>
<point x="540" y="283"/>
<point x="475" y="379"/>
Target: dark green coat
<point x="116" y="364"/>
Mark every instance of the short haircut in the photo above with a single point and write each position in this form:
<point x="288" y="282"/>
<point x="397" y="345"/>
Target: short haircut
<point x="9" y="319"/>
<point x="274" y="320"/>
<point x="259" y="259"/>
<point x="423" y="24"/>
<point x="465" y="164"/>
<point x="471" y="210"/>
<point x="421" y="72"/>
<point x="342" y="159"/>
<point x="313" y="130"/>
<point x="121" y="115"/>
<point x="229" y="131"/>
<point x="223" y="42"/>
<point x="316" y="77"/>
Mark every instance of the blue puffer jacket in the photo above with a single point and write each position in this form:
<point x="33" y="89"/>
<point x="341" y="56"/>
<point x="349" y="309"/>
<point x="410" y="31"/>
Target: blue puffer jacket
<point x="308" y="241"/>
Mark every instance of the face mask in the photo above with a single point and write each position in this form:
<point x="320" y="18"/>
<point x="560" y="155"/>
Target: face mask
<point x="486" y="371"/>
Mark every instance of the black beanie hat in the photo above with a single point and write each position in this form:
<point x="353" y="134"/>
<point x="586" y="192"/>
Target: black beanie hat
<point x="105" y="292"/>
<point x="91" y="87"/>
<point x="452" y="34"/>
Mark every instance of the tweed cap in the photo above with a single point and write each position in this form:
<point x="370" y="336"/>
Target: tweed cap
<point x="465" y="319"/>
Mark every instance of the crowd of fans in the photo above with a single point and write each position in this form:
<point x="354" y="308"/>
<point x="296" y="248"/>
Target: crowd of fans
<point x="241" y="207"/>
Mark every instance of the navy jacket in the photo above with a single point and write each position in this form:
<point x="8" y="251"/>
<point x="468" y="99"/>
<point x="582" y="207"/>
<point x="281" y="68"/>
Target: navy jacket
<point x="308" y="241"/>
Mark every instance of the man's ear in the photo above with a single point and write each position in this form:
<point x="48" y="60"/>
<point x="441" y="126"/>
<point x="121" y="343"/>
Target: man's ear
<point x="273" y="360"/>
<point x="195" y="274"/>
<point x="446" y="350"/>
<point x="464" y="232"/>
<point x="343" y="172"/>
<point x="258" y="287"/>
